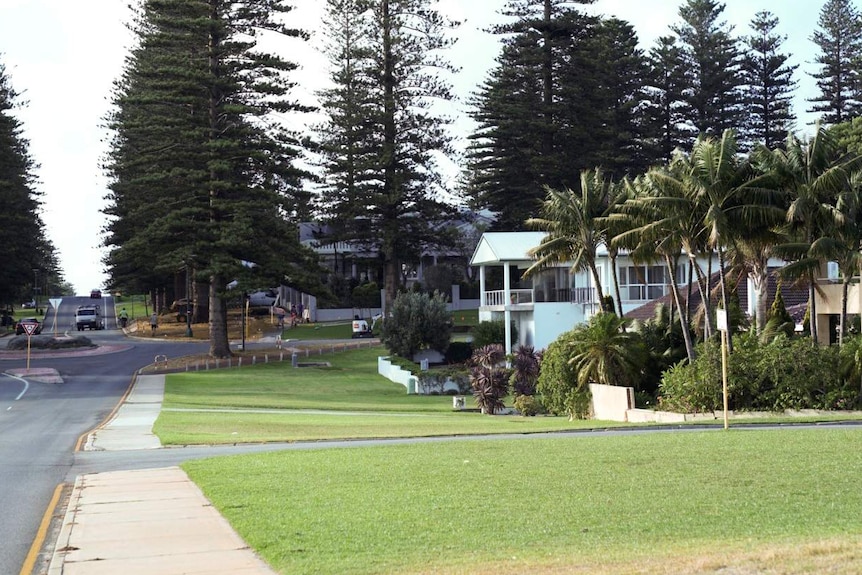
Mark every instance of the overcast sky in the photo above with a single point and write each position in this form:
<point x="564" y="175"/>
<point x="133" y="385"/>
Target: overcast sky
<point x="63" y="56"/>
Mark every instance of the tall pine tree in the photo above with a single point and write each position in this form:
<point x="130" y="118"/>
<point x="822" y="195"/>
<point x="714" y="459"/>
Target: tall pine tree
<point x="25" y="246"/>
<point x="667" y="108"/>
<point x="839" y="37"/>
<point x="541" y="125"/>
<point x="384" y="135"/>
<point x="769" y="82"/>
<point x="202" y="178"/>
<point x="712" y="66"/>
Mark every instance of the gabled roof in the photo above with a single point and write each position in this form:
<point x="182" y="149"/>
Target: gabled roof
<point x="500" y="247"/>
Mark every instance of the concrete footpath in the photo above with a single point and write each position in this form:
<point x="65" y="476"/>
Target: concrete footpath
<point x="153" y="521"/>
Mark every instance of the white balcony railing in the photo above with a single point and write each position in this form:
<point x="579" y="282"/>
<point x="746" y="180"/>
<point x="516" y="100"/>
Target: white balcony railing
<point x="581" y="295"/>
<point x="516" y="296"/>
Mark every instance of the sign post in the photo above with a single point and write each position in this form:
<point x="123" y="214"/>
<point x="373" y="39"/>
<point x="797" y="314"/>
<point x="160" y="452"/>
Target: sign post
<point x="721" y="324"/>
<point x="55" y="303"/>
<point x="29" y="328"/>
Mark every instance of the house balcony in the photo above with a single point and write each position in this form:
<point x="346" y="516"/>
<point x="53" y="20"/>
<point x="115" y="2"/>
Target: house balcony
<point x="527" y="298"/>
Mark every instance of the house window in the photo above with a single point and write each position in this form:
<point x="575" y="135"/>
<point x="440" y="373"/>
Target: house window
<point x="644" y="283"/>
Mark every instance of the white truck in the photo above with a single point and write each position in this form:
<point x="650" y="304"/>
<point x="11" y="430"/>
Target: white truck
<point x="89" y="317"/>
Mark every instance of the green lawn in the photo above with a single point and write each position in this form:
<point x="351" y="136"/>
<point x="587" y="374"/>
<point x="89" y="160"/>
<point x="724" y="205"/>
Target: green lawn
<point x="776" y="501"/>
<point x="276" y="402"/>
<point x="318" y="331"/>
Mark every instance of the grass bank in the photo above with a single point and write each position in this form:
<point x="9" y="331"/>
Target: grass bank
<point x="276" y="402"/>
<point x="765" y="501"/>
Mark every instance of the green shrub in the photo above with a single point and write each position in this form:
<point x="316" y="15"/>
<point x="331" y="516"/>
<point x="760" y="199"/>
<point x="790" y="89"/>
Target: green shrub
<point x="417" y="321"/>
<point x="797" y="374"/>
<point x="492" y="332"/>
<point x="558" y="381"/>
<point x="785" y="373"/>
<point x="529" y="405"/>
<point x="696" y="387"/>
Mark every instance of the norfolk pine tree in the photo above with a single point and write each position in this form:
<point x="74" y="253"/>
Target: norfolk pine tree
<point x="199" y="170"/>
<point x="25" y="246"/>
<point x="839" y="37"/>
<point x="712" y="66"/>
<point x="769" y="84"/>
<point x="383" y="136"/>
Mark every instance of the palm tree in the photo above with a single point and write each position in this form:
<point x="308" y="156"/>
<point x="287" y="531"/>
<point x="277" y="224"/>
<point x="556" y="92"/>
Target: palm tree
<point x="574" y="228"/>
<point x="615" y="226"/>
<point x="844" y="244"/>
<point x="603" y="352"/>
<point x="662" y="222"/>
<point x="813" y="174"/>
<point x="733" y="197"/>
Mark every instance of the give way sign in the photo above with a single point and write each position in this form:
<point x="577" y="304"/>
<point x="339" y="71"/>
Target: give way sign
<point x="29" y="328"/>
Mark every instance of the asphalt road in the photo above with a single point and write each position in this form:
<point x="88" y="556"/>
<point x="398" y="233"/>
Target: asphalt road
<point x="41" y="422"/>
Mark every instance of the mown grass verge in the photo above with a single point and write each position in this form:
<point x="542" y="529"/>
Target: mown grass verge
<point x="276" y="402"/>
<point x="744" y="501"/>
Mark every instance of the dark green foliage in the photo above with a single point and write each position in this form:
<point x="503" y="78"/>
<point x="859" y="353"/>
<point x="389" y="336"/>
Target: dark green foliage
<point x="525" y="370"/>
<point x="839" y="37"/>
<point x="200" y="176"/>
<point x="601" y="352"/>
<point x="381" y="140"/>
<point x="608" y="304"/>
<point x="529" y="405"/>
<point x="666" y="109"/>
<point x="693" y="387"/>
<point x="558" y="383"/>
<point x="779" y="319"/>
<point x="665" y="347"/>
<point x="785" y="373"/>
<point x="488" y="332"/>
<point x="25" y="247"/>
<point x="769" y="84"/>
<point x="366" y="296"/>
<point x="850" y="364"/>
<point x="417" y="321"/>
<point x="712" y="67"/>
<point x="489" y="378"/>
<point x="565" y="96"/>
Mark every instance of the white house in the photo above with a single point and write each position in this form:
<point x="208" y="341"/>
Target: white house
<point x="556" y="300"/>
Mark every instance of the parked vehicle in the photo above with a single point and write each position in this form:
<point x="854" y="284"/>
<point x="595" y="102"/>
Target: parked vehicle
<point x="29" y="304"/>
<point x="361" y="328"/>
<point x="89" y="317"/>
<point x="19" y="328"/>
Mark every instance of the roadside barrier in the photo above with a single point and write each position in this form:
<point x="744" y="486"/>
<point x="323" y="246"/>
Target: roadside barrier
<point x="281" y="354"/>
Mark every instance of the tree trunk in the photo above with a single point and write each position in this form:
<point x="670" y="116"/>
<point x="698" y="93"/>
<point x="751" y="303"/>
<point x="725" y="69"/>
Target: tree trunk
<point x="597" y="280"/>
<point x="760" y="278"/>
<point x="616" y="281"/>
<point x="812" y="309"/>
<point x="219" y="344"/>
<point x="391" y="273"/>
<point x="842" y="327"/>
<point x="687" y="311"/>
<point x="703" y="286"/>
<point x="674" y="289"/>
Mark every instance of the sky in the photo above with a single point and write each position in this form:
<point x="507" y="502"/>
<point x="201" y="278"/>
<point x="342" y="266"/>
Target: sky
<point x="63" y="57"/>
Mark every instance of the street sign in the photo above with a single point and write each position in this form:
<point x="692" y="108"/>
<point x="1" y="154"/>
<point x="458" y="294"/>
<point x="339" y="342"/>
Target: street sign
<point x="721" y="319"/>
<point x="29" y="328"/>
<point x="55" y="302"/>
